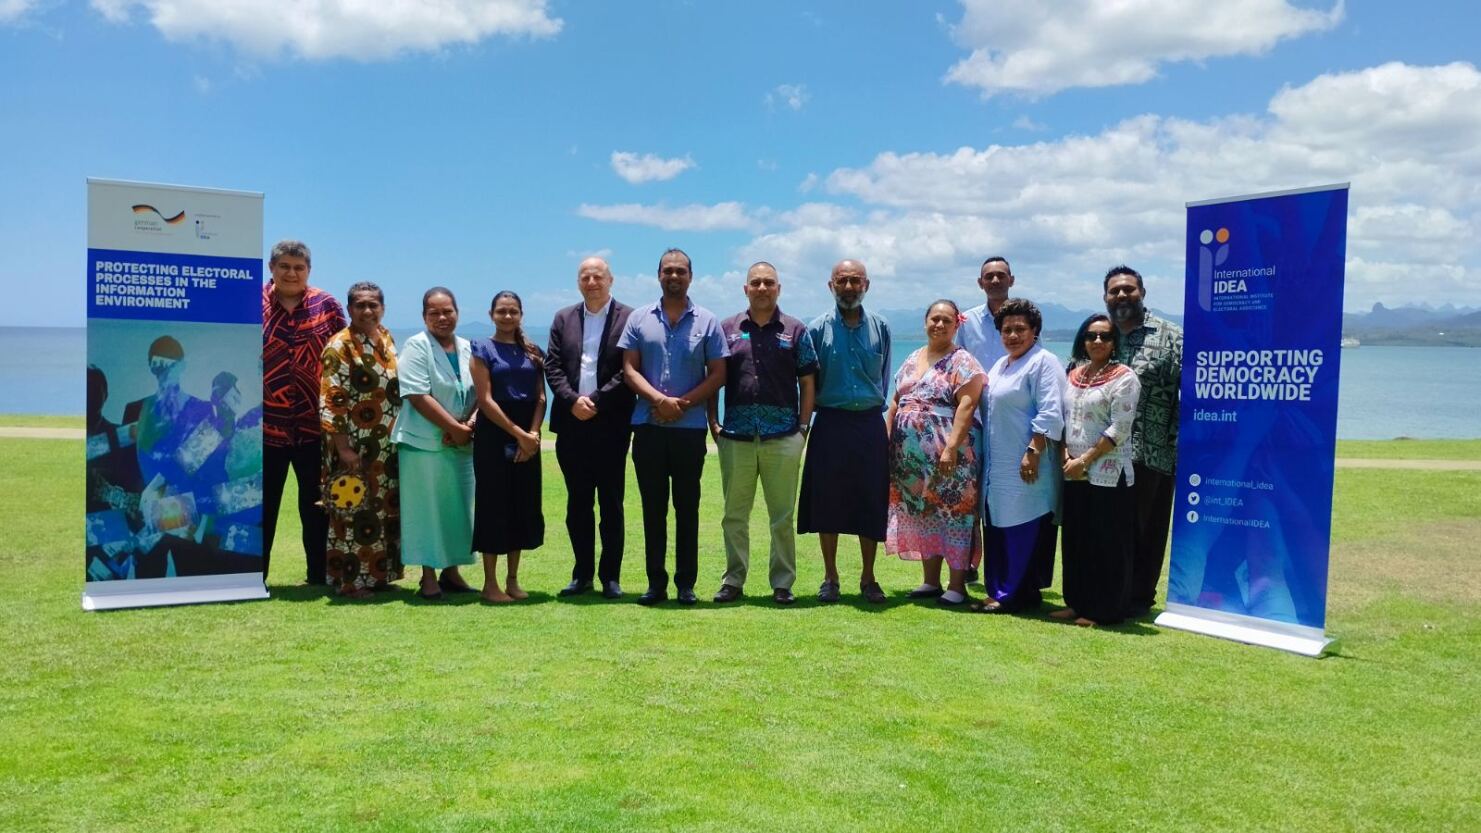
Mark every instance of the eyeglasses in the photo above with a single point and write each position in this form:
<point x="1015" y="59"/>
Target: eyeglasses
<point x="1105" y="337"/>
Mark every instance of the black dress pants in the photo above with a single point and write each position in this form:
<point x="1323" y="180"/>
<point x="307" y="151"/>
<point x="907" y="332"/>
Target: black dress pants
<point x="593" y="461"/>
<point x="306" y="460"/>
<point x="663" y="457"/>
<point x="1154" y="494"/>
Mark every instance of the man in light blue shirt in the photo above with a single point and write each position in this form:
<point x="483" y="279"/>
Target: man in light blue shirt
<point x="673" y="359"/>
<point x="979" y="335"/>
<point x="845" y="478"/>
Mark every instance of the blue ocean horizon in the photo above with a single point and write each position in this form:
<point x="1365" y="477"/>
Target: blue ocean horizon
<point x="1385" y="393"/>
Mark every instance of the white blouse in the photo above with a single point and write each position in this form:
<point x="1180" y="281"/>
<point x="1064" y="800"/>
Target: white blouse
<point x="1105" y="410"/>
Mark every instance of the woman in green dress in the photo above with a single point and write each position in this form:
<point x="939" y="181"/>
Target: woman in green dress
<point x="433" y="438"/>
<point x="358" y="402"/>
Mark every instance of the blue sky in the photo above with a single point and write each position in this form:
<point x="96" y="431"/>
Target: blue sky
<point x="490" y="145"/>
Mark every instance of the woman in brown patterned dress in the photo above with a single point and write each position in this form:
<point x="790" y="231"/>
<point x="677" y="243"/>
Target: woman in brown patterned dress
<point x="359" y="399"/>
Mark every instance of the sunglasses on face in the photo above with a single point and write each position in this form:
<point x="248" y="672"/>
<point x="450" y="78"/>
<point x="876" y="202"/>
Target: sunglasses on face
<point x="1105" y="337"/>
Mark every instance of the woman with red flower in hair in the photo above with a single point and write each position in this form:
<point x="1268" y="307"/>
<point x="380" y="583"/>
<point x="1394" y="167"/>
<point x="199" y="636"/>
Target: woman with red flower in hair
<point x="359" y="399"/>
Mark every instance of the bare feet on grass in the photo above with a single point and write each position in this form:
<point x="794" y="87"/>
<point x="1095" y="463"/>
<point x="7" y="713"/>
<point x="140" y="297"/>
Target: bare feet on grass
<point x="495" y="595"/>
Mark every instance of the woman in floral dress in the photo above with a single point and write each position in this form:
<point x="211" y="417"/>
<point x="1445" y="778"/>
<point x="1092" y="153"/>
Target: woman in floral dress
<point x="359" y="399"/>
<point x="936" y="458"/>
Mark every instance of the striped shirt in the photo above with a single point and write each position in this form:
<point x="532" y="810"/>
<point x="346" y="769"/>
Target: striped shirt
<point x="292" y="348"/>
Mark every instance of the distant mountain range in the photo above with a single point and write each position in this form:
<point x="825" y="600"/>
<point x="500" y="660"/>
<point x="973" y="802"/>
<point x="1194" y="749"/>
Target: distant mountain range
<point x="1447" y="326"/>
<point x="1060" y="322"/>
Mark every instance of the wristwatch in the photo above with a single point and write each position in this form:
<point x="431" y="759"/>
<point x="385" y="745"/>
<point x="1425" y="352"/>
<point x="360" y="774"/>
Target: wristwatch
<point x="1032" y="450"/>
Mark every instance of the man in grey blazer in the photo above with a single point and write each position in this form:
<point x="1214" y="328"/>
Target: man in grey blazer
<point x="590" y="418"/>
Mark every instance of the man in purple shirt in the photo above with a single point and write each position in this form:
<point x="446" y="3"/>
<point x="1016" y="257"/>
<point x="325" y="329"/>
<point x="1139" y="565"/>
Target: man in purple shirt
<point x="769" y="377"/>
<point x="673" y="359"/>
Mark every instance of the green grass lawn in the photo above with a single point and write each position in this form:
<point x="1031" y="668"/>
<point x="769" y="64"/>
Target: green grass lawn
<point x="1383" y="449"/>
<point x="1406" y="449"/>
<point x="40" y="421"/>
<point x="303" y="713"/>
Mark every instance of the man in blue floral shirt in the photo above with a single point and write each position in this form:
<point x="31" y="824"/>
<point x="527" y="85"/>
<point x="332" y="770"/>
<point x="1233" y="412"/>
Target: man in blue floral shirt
<point x="769" y="387"/>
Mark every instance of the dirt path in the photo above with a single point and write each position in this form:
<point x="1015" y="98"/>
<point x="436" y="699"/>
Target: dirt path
<point x="1423" y="465"/>
<point x="1342" y="462"/>
<point x="42" y="433"/>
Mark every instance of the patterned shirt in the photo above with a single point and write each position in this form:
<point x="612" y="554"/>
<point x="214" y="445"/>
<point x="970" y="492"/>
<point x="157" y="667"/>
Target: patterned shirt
<point x="853" y="362"/>
<point x="979" y="334"/>
<point x="292" y="348"/>
<point x="1155" y="352"/>
<point x="761" y="373"/>
<point x="1105" y="409"/>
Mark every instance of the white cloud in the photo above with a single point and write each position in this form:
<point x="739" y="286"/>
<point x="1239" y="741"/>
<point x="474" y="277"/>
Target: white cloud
<point x="648" y="167"/>
<point x="578" y="255"/>
<point x="817" y="214"/>
<point x="792" y="96"/>
<point x="356" y="29"/>
<point x="724" y="216"/>
<point x="1064" y="210"/>
<point x="1026" y="123"/>
<point x="1040" y="48"/>
<point x="11" y="11"/>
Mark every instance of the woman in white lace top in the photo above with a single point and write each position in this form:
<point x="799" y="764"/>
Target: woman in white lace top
<point x="1099" y="511"/>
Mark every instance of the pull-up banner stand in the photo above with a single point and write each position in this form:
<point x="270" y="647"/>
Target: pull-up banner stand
<point x="1257" y="433"/>
<point x="174" y="396"/>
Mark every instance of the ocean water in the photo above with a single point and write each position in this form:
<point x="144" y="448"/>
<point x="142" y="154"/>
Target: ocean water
<point x="1385" y="392"/>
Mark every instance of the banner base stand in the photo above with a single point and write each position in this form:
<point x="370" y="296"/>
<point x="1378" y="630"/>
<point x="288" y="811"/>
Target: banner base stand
<point x="1296" y="639"/>
<point x="159" y="592"/>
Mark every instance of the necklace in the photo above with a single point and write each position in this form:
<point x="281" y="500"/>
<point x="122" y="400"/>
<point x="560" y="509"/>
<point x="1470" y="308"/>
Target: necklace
<point x="1090" y="379"/>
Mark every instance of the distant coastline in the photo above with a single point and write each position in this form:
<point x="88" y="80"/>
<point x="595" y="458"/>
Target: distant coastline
<point x="41" y="373"/>
<point x="1380" y="326"/>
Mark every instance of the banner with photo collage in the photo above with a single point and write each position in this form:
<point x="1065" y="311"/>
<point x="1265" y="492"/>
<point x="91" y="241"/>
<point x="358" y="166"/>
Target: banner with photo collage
<point x="174" y="396"/>
<point x="1257" y="433"/>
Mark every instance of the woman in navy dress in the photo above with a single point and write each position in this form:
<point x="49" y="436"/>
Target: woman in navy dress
<point x="509" y="387"/>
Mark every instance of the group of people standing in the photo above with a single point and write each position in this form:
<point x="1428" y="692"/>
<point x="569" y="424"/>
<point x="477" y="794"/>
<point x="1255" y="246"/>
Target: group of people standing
<point x="977" y="453"/>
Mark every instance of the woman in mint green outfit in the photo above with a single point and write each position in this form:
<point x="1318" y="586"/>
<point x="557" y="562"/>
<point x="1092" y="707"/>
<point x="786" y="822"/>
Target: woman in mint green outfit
<point x="434" y="443"/>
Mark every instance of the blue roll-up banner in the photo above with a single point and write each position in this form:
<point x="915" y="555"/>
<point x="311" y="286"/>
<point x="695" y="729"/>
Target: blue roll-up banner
<point x="1257" y="433"/>
<point x="174" y="396"/>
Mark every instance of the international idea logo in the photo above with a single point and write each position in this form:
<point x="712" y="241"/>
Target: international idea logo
<point x="1208" y="258"/>
<point x="1227" y="290"/>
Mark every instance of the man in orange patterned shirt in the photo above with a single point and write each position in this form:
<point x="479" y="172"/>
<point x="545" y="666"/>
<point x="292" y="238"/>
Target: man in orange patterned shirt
<point x="297" y="321"/>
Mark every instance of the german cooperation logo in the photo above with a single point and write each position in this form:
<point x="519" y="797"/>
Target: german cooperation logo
<point x="156" y="223"/>
<point x="1226" y="289"/>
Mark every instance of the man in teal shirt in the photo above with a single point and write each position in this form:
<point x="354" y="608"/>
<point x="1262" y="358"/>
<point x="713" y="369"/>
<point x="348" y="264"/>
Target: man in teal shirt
<point x="845" y="477"/>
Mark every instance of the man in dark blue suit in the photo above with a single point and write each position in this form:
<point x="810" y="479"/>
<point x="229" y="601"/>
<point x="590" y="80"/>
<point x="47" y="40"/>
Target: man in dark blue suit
<point x="590" y="417"/>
